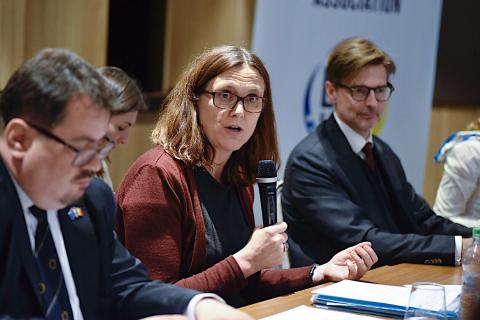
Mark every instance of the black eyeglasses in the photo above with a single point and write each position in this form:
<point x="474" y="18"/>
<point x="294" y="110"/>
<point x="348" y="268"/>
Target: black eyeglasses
<point x="227" y="100"/>
<point x="360" y="93"/>
<point x="82" y="156"/>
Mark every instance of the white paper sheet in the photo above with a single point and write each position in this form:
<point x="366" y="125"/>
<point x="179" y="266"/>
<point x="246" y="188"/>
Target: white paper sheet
<point x="309" y="313"/>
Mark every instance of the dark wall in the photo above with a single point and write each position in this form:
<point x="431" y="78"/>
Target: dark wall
<point x="458" y="62"/>
<point x="136" y="39"/>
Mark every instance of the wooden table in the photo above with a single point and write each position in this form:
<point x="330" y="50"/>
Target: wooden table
<point x="400" y="274"/>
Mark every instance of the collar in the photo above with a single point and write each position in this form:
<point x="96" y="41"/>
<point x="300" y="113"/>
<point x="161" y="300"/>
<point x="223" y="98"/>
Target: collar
<point x="355" y="140"/>
<point x="454" y="139"/>
<point x="25" y="200"/>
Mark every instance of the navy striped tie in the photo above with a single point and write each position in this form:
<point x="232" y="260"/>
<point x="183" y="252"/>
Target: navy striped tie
<point x="52" y="289"/>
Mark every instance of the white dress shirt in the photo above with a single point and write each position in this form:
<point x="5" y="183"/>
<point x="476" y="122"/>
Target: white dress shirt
<point x="357" y="142"/>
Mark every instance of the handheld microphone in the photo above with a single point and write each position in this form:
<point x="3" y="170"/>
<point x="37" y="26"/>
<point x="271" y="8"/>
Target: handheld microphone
<point x="267" y="185"/>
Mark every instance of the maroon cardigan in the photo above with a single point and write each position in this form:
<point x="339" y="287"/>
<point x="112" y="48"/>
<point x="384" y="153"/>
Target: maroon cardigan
<point x="160" y="221"/>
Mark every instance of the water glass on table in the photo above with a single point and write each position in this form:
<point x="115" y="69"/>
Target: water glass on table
<point x="426" y="302"/>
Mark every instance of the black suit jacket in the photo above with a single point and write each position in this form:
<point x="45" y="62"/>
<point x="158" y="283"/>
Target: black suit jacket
<point x="330" y="202"/>
<point x="110" y="283"/>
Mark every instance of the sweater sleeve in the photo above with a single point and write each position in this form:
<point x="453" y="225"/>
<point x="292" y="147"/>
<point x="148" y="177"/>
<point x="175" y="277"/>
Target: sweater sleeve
<point x="271" y="283"/>
<point x="159" y="228"/>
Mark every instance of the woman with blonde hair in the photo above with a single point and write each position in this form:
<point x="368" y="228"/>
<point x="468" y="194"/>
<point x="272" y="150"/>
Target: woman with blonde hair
<point x="185" y="208"/>
<point x="129" y="102"/>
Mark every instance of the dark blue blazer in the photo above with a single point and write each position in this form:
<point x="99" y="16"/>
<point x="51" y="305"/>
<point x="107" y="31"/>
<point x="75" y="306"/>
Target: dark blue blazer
<point x="110" y="283"/>
<point x="330" y="202"/>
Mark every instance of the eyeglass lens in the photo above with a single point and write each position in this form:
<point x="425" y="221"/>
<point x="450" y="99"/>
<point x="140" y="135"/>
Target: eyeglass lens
<point x="86" y="155"/>
<point x="228" y="100"/>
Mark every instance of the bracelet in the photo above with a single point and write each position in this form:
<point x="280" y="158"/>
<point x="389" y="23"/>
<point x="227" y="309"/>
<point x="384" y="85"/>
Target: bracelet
<point x="310" y="274"/>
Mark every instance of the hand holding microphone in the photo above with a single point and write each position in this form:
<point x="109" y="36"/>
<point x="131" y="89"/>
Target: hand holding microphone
<point x="267" y="246"/>
<point x="265" y="249"/>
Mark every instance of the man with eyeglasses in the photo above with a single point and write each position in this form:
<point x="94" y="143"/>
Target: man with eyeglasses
<point x="60" y="258"/>
<point x="344" y="185"/>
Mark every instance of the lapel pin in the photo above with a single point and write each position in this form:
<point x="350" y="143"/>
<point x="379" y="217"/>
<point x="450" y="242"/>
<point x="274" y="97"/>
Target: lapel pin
<point x="75" y="213"/>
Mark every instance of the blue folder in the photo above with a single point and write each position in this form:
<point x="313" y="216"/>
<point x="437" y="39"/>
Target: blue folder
<point x="366" y="307"/>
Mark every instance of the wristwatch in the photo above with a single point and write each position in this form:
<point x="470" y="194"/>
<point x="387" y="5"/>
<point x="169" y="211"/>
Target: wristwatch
<point x="311" y="273"/>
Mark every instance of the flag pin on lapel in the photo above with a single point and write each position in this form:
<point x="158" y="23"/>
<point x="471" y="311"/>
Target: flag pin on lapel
<point x="75" y="213"/>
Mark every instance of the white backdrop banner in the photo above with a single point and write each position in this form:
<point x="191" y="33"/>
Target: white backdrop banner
<point x="294" y="38"/>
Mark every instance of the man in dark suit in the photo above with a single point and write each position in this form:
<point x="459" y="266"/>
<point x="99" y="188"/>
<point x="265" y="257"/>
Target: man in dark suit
<point x="60" y="258"/>
<point x="344" y="185"/>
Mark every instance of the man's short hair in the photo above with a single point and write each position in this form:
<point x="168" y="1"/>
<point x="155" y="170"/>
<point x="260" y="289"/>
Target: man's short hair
<point x="351" y="55"/>
<point x="41" y="88"/>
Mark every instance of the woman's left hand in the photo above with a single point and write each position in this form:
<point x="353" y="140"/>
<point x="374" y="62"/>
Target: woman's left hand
<point x="351" y="263"/>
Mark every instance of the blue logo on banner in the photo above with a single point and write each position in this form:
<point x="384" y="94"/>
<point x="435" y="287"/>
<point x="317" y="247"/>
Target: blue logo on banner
<point x="316" y="106"/>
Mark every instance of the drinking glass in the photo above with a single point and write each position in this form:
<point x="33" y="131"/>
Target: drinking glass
<point x="426" y="302"/>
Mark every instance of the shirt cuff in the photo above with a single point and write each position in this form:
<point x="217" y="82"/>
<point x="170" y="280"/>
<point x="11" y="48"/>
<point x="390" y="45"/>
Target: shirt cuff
<point x="458" y="250"/>
<point x="190" y="312"/>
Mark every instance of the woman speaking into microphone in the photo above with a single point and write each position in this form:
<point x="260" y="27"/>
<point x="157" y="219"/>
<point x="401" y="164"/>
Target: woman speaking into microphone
<point x="186" y="205"/>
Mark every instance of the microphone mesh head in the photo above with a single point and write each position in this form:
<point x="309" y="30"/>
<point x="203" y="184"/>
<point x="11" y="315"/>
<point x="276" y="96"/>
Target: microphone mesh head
<point x="266" y="169"/>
